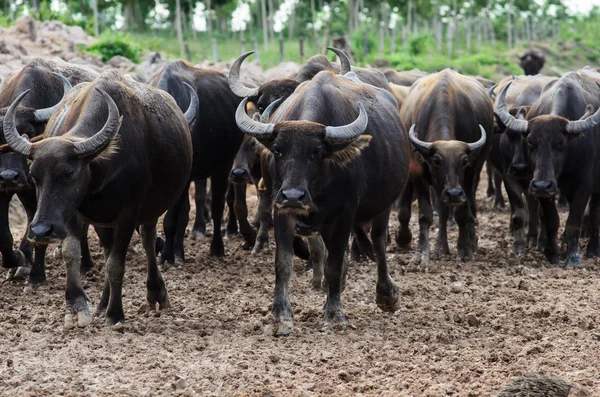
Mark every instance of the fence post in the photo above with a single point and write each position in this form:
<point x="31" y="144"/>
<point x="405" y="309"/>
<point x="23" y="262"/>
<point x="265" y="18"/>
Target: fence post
<point x="301" y="43"/>
<point x="215" y="54"/>
<point x="188" y="54"/>
<point x="281" y="50"/>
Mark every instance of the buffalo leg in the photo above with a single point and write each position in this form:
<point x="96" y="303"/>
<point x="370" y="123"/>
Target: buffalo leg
<point x="467" y="239"/>
<point x="577" y="203"/>
<point x="335" y="236"/>
<point x="264" y="215"/>
<point x="386" y="290"/>
<point x="10" y="257"/>
<point x="115" y="267"/>
<point x="78" y="313"/>
<point x="490" y="174"/>
<point x="175" y="223"/>
<point x="87" y="263"/>
<point x="318" y="254"/>
<point x="518" y="215"/>
<point x="499" y="199"/>
<point x="106" y="236"/>
<point x="284" y="239"/>
<point x="156" y="289"/>
<point x="550" y="223"/>
<point x="232" y="222"/>
<point x="532" y="224"/>
<point x="403" y="234"/>
<point x="593" y="248"/>
<point x="199" y="228"/>
<point x="219" y="184"/>
<point x="425" y="220"/>
<point x="241" y="213"/>
<point x="441" y="243"/>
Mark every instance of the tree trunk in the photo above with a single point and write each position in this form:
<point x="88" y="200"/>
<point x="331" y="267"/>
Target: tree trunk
<point x="192" y="27"/>
<point x="34" y="6"/>
<point x="492" y="34"/>
<point x="350" y="7"/>
<point x="509" y="30"/>
<point x="95" y="9"/>
<point x="271" y="13"/>
<point x="209" y="26"/>
<point x="312" y="18"/>
<point x="291" y="23"/>
<point x="409" y="16"/>
<point x="178" y="27"/>
<point x="438" y="26"/>
<point x="381" y="34"/>
<point x="479" y="34"/>
<point x="128" y="17"/>
<point x="456" y="29"/>
<point x="468" y="38"/>
<point x="265" y="28"/>
<point x="393" y="42"/>
<point x="450" y="38"/>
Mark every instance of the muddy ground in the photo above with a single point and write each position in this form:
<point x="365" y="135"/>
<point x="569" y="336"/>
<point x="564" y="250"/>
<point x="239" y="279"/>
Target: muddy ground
<point x="462" y="329"/>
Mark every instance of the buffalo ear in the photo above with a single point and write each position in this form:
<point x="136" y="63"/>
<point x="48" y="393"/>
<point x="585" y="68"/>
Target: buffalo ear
<point x="589" y="110"/>
<point x="522" y="111"/>
<point x="499" y="126"/>
<point x="350" y="151"/>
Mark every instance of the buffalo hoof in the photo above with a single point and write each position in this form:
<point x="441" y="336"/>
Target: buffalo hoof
<point x="316" y="284"/>
<point x="86" y="266"/>
<point x="552" y="258"/>
<point x="261" y="245"/>
<point x="519" y="249"/>
<point x="387" y="303"/>
<point x="57" y="253"/>
<point x="179" y="262"/>
<point x="198" y="235"/>
<point x="335" y="320"/>
<point x="79" y="319"/>
<point x="420" y="259"/>
<point x="573" y="260"/>
<point x="34" y="283"/>
<point x="309" y="265"/>
<point x="283" y="327"/>
<point x="217" y="249"/>
<point x="247" y="245"/>
<point x="441" y="250"/>
<point x="592" y="252"/>
<point x="403" y="239"/>
<point x="465" y="256"/>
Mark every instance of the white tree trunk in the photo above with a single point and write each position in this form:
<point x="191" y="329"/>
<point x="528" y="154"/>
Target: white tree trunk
<point x="95" y="8"/>
<point x="265" y="28"/>
<point x="509" y="30"/>
<point x="178" y="27"/>
<point x="192" y="27"/>
<point x="450" y="38"/>
<point x="468" y="38"/>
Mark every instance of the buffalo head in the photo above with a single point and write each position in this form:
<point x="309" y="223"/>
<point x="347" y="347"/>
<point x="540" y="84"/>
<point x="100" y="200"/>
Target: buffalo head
<point x="60" y="169"/>
<point x="30" y="122"/>
<point x="301" y="151"/>
<point x="547" y="138"/>
<point x="447" y="161"/>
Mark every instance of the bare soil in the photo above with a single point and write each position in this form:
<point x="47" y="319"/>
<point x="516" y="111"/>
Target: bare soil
<point x="462" y="329"/>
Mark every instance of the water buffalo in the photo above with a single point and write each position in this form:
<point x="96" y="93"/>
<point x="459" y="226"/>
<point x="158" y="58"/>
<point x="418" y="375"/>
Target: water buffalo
<point x="449" y="115"/>
<point x="329" y="142"/>
<point x="49" y="81"/>
<point x="561" y="135"/>
<point x="405" y="78"/>
<point x="509" y="158"/>
<point x="102" y="161"/>
<point x="216" y="140"/>
<point x="532" y="62"/>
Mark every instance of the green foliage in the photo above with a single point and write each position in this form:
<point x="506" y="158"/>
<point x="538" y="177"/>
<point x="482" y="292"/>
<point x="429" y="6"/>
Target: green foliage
<point x="420" y="43"/>
<point x="110" y="45"/>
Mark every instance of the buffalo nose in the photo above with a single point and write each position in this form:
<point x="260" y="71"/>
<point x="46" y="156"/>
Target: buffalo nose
<point x="453" y="195"/>
<point x="8" y="176"/>
<point x="542" y="186"/>
<point x="293" y="197"/>
<point x="239" y="172"/>
<point x="40" y="231"/>
<point x="518" y="168"/>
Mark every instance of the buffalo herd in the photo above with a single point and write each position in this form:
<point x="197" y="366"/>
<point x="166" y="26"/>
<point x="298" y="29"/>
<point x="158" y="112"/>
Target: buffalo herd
<point x="331" y="150"/>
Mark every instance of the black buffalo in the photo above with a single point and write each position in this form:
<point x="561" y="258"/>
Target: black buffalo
<point x="216" y="140"/>
<point x="449" y="115"/>
<point x="509" y="159"/>
<point x="563" y="146"/>
<point x="116" y="154"/>
<point x="339" y="160"/>
<point x="532" y="62"/>
<point x="49" y="82"/>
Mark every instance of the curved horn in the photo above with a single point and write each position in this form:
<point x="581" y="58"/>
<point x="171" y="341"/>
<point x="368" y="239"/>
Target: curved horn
<point x="16" y="142"/>
<point x="43" y="115"/>
<point x="192" y="111"/>
<point x="508" y="119"/>
<point x="578" y="126"/>
<point x="345" y="66"/>
<point x="235" y="83"/>
<point x="421" y="146"/>
<point x="264" y="118"/>
<point x="100" y="140"/>
<point x="481" y="142"/>
<point x="249" y="126"/>
<point x="349" y="132"/>
<point x="491" y="91"/>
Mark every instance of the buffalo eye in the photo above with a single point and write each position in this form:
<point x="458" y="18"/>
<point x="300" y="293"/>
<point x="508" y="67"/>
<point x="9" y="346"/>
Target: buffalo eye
<point x="67" y="176"/>
<point x="438" y="162"/>
<point x="316" y="153"/>
<point x="560" y="146"/>
<point x="464" y="162"/>
<point x="531" y="146"/>
<point x="276" y="151"/>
